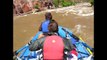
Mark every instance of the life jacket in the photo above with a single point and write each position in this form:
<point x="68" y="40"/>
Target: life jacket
<point x="45" y="26"/>
<point x="53" y="48"/>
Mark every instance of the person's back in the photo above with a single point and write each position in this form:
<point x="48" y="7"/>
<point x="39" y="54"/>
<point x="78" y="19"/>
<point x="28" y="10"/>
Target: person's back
<point x="44" y="26"/>
<point x="52" y="48"/>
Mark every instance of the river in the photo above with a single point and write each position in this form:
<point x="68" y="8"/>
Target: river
<point x="25" y="27"/>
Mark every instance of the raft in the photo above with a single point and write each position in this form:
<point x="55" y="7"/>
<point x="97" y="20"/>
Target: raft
<point x="85" y="52"/>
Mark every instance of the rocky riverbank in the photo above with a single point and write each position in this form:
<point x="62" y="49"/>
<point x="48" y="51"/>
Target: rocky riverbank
<point x="81" y="9"/>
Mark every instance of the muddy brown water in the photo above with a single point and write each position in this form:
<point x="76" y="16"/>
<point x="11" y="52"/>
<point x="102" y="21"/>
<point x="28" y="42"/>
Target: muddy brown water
<point x="24" y="28"/>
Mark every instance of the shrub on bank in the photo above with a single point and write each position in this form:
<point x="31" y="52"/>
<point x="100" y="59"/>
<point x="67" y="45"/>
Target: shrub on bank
<point x="92" y="2"/>
<point x="36" y="7"/>
<point x="56" y="3"/>
<point x="63" y="3"/>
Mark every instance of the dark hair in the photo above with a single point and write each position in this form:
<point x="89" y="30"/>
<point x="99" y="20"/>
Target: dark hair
<point x="53" y="26"/>
<point x="48" y="15"/>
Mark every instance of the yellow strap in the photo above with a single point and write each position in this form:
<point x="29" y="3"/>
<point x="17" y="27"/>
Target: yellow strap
<point x="81" y="39"/>
<point x="86" y="48"/>
<point x="89" y="51"/>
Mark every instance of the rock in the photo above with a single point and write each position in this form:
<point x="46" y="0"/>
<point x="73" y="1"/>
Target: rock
<point x="25" y="8"/>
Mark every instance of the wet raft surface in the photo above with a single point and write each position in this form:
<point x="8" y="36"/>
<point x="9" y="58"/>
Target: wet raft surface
<point x="24" y="28"/>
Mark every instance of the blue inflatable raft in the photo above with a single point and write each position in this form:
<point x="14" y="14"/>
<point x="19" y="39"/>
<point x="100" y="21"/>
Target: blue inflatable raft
<point x="84" y="51"/>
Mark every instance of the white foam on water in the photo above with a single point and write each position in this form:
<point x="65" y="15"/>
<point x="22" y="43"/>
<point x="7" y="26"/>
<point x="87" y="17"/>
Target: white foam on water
<point x="25" y="15"/>
<point x="84" y="26"/>
<point x="77" y="9"/>
<point x="24" y="30"/>
<point x="78" y="28"/>
<point x="89" y="14"/>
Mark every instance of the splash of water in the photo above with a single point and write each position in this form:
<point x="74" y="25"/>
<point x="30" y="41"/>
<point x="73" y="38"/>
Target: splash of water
<point x="78" y="28"/>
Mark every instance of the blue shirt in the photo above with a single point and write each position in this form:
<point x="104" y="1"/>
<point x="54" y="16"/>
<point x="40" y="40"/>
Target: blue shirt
<point x="44" y="26"/>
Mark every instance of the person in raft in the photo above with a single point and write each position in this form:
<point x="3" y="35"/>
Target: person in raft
<point x="44" y="25"/>
<point x="53" y="46"/>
